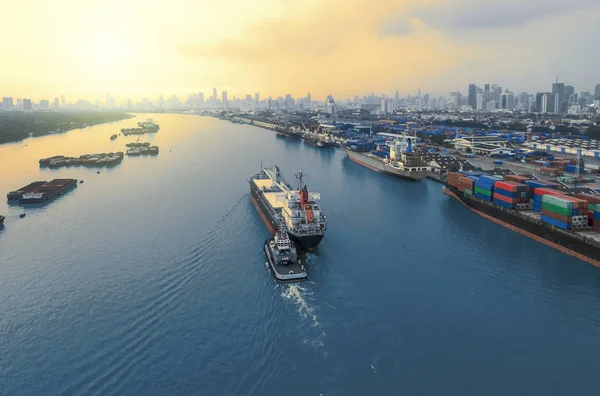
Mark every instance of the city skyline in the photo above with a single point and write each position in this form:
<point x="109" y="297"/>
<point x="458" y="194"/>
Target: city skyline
<point x="276" y="47"/>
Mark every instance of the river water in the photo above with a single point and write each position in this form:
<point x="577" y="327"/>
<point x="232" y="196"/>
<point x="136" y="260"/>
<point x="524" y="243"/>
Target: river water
<point x="150" y="279"/>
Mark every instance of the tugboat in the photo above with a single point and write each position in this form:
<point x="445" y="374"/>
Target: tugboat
<point x="113" y="137"/>
<point x="283" y="258"/>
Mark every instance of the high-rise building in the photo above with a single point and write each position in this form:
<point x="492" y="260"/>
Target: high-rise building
<point x="26" y="104"/>
<point x="524" y="101"/>
<point x="224" y="98"/>
<point x="396" y="104"/>
<point x="384" y="106"/>
<point x="308" y="99"/>
<point x="288" y="100"/>
<point x="330" y="104"/>
<point x="63" y="103"/>
<point x="548" y="102"/>
<point x="480" y="101"/>
<point x="487" y="95"/>
<point x="55" y="103"/>
<point x="559" y="89"/>
<point x="214" y="97"/>
<point x="7" y="103"/>
<point x="44" y="104"/>
<point x="507" y="101"/>
<point x="472" y="97"/>
<point x="597" y="92"/>
<point x="496" y="93"/>
<point x="490" y="105"/>
<point x="569" y="90"/>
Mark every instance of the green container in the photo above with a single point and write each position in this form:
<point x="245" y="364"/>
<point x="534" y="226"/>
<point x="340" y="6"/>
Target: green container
<point x="557" y="209"/>
<point x="594" y="207"/>
<point x="557" y="201"/>
<point x="468" y="192"/>
<point x="483" y="191"/>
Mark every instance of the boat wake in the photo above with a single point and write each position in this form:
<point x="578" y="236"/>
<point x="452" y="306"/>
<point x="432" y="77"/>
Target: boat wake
<point x="303" y="298"/>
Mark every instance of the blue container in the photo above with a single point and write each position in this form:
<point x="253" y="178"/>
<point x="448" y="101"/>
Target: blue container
<point x="509" y="194"/>
<point x="497" y="162"/>
<point x="473" y="178"/>
<point x="469" y="173"/>
<point x="556" y="223"/>
<point x="596" y="215"/>
<point x="482" y="184"/>
<point x="545" y="163"/>
<point x="489" y="179"/>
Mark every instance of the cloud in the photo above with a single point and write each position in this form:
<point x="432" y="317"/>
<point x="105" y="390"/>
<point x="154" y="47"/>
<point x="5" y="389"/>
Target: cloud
<point x="332" y="48"/>
<point x="461" y="15"/>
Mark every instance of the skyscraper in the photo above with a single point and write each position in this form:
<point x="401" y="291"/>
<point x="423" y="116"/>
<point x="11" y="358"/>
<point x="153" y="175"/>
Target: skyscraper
<point x="472" y="98"/>
<point x="559" y="89"/>
<point x="214" y="97"/>
<point x="497" y="92"/>
<point x="223" y="98"/>
<point x="7" y="103"/>
<point x="479" y="101"/>
<point x="55" y="103"/>
<point x="396" y="104"/>
<point x="44" y="104"/>
<point x="26" y="104"/>
<point x="308" y="99"/>
<point x="597" y="92"/>
<point x="62" y="101"/>
<point x="487" y="96"/>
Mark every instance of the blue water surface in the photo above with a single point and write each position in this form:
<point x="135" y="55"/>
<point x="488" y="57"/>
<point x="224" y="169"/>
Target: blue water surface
<point x="150" y="279"/>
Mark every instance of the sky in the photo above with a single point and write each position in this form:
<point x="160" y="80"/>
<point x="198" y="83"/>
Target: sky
<point x="135" y="49"/>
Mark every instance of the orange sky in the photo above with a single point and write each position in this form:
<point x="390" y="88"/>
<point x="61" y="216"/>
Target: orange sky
<point x="139" y="48"/>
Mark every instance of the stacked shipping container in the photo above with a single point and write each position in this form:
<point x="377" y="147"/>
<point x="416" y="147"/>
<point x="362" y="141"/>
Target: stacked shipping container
<point x="511" y="195"/>
<point x="484" y="187"/>
<point x="593" y="210"/>
<point x="564" y="212"/>
<point x="538" y="193"/>
<point x="517" y="178"/>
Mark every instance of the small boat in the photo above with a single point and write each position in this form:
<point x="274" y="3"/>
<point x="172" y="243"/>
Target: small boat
<point x="22" y="215"/>
<point x="283" y="258"/>
<point x="113" y="137"/>
<point x="98" y="172"/>
<point x="80" y="181"/>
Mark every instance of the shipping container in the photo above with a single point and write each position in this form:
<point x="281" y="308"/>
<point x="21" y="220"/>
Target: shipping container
<point x="557" y="216"/>
<point x="556" y="223"/>
<point x="483" y="191"/>
<point x="516" y="178"/>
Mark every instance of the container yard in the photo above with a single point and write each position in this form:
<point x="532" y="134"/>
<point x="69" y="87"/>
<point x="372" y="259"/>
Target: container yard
<point x="41" y="191"/>
<point x="90" y="160"/>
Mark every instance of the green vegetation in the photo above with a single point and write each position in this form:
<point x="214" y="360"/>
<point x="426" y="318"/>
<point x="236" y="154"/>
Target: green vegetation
<point x="469" y="150"/>
<point x="16" y="126"/>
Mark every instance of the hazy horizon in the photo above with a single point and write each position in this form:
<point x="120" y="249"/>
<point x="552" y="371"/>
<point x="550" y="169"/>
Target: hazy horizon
<point x="275" y="47"/>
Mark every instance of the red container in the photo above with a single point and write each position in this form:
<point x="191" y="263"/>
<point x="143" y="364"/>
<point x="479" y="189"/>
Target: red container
<point x="506" y="199"/>
<point x="593" y="199"/>
<point x="557" y="216"/>
<point x="544" y="191"/>
<point x="590" y="218"/>
<point x="507" y="185"/>
<point x="453" y="179"/>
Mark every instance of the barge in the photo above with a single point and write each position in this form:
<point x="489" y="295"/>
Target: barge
<point x="46" y="191"/>
<point x="298" y="209"/>
<point x="576" y="243"/>
<point x="18" y="194"/>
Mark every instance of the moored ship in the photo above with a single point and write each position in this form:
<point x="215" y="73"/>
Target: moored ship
<point x="298" y="209"/>
<point x="578" y="241"/>
<point x="283" y="258"/>
<point x="401" y="162"/>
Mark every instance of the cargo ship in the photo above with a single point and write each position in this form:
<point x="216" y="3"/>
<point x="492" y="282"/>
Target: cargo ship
<point x="41" y="191"/>
<point x="539" y="224"/>
<point x="298" y="209"/>
<point x="283" y="258"/>
<point x="401" y="161"/>
<point x="286" y="133"/>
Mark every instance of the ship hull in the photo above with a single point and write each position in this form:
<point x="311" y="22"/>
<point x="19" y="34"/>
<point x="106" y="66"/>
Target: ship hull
<point x="268" y="215"/>
<point x="560" y="240"/>
<point x="380" y="166"/>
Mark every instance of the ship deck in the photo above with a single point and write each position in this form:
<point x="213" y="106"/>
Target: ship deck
<point x="275" y="197"/>
<point x="299" y="274"/>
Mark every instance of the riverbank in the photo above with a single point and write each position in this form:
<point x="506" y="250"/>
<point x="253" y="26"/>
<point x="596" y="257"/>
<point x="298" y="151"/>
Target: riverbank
<point x="16" y="126"/>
